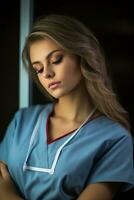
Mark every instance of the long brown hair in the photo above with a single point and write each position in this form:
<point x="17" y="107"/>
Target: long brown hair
<point x="73" y="36"/>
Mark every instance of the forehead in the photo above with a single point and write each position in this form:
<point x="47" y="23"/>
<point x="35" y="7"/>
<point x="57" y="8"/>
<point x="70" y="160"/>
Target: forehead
<point x="42" y="48"/>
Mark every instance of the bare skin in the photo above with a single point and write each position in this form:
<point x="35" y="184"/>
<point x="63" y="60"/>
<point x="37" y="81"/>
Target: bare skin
<point x="8" y="190"/>
<point x="71" y="93"/>
<point x="100" y="191"/>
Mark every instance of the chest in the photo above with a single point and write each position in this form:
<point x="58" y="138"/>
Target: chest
<point x="68" y="176"/>
<point x="72" y="167"/>
<point x="58" y="128"/>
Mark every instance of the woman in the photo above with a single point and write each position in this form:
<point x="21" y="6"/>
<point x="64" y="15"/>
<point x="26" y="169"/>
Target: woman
<point x="79" y="145"/>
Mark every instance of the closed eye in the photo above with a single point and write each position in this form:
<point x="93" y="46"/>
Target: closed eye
<point x="39" y="71"/>
<point x="58" y="60"/>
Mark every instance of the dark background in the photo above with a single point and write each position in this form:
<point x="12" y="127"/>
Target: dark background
<point x="113" y="24"/>
<point x="9" y="61"/>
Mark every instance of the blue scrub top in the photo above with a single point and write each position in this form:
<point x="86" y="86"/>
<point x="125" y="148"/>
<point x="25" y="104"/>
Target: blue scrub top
<point x="101" y="151"/>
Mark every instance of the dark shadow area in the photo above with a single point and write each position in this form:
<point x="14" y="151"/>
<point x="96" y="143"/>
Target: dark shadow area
<point x="9" y="56"/>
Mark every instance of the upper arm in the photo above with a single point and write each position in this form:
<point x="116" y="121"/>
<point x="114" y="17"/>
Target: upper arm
<point x="100" y="191"/>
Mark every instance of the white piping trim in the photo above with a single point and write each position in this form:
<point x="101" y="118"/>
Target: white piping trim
<point x="52" y="169"/>
<point x="35" y="131"/>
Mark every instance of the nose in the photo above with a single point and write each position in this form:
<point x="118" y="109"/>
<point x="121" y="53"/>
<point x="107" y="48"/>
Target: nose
<point x="48" y="74"/>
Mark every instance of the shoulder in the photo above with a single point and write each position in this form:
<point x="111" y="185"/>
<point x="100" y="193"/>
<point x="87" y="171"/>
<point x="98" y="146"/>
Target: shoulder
<point x="115" y="129"/>
<point x="106" y="130"/>
<point x="32" y="112"/>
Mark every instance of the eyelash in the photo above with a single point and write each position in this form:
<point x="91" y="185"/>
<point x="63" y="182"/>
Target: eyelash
<point x="54" y="63"/>
<point x="39" y="71"/>
<point x="58" y="60"/>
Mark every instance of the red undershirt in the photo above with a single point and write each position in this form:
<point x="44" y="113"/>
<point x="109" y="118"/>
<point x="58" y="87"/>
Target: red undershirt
<point x="49" y="140"/>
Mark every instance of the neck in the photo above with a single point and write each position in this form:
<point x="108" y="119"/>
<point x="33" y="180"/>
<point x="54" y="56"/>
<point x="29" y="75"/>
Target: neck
<point x="75" y="106"/>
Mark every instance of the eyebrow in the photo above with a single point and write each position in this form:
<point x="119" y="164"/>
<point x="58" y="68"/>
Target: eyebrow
<point x="48" y="56"/>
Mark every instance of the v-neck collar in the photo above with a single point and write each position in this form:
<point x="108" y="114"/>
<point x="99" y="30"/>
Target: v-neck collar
<point x="47" y="120"/>
<point x="48" y="137"/>
<point x="34" y="144"/>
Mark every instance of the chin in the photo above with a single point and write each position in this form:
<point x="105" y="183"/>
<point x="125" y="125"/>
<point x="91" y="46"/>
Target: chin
<point x="58" y="95"/>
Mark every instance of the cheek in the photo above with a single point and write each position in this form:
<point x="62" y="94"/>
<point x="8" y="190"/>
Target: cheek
<point x="72" y="68"/>
<point x="73" y="72"/>
<point x="42" y="82"/>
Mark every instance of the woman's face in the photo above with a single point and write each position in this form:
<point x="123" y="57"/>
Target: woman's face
<point x="58" y="72"/>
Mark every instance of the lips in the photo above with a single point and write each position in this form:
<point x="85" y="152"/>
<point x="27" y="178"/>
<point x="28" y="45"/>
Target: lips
<point x="54" y="85"/>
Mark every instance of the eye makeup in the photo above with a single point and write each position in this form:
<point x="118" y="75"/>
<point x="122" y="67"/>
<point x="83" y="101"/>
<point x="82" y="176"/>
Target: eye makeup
<point x="53" y="59"/>
<point x="57" y="60"/>
<point x="38" y="68"/>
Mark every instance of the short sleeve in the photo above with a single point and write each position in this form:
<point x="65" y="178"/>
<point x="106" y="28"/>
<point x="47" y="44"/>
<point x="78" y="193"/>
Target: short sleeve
<point x="5" y="144"/>
<point x="116" y="164"/>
